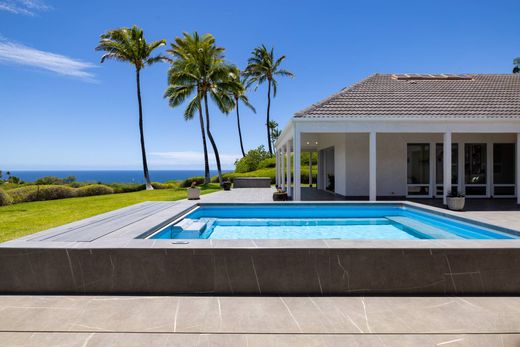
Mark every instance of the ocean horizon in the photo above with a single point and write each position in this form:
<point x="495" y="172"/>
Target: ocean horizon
<point x="111" y="176"/>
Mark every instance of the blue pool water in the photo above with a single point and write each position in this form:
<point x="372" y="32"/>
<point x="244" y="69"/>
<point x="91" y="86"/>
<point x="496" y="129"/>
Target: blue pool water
<point x="323" y="221"/>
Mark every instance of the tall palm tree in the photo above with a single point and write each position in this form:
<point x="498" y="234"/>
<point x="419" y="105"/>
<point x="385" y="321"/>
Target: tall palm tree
<point x="129" y="45"/>
<point x="198" y="66"/>
<point x="516" y="63"/>
<point x="239" y="94"/>
<point x="262" y="66"/>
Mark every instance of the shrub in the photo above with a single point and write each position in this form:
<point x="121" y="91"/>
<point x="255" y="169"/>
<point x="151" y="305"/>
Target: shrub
<point x="52" y="180"/>
<point x="94" y="189"/>
<point x="266" y="163"/>
<point x="251" y="160"/>
<point x="40" y="193"/>
<point x="188" y="181"/>
<point x="5" y="199"/>
<point x="126" y="187"/>
<point x="159" y="185"/>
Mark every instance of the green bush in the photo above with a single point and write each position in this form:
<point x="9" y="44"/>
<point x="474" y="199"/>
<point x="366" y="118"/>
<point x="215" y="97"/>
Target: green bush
<point x="40" y="193"/>
<point x="5" y="199"/>
<point x="266" y="163"/>
<point x="188" y="181"/>
<point x="51" y="180"/>
<point x="126" y="187"/>
<point x="94" y="189"/>
<point x="159" y="185"/>
<point x="252" y="159"/>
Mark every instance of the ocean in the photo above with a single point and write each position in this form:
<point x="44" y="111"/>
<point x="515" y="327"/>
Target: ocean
<point x="111" y="176"/>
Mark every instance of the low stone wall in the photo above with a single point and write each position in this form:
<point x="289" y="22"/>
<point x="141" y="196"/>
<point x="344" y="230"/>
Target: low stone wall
<point x="265" y="271"/>
<point x="252" y="182"/>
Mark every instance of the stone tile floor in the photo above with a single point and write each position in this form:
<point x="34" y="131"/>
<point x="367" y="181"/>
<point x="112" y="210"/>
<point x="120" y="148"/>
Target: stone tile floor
<point x="258" y="321"/>
<point x="264" y="321"/>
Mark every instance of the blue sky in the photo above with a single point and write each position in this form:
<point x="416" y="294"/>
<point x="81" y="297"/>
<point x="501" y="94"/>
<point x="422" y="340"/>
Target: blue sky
<point x="61" y="109"/>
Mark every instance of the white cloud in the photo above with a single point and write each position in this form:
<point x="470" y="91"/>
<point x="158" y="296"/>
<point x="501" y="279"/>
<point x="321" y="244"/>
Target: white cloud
<point x="24" y="7"/>
<point x="11" y="52"/>
<point x="192" y="158"/>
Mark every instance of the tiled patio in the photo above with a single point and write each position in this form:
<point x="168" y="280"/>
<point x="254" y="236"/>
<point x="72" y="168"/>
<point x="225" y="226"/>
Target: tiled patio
<point x="267" y="320"/>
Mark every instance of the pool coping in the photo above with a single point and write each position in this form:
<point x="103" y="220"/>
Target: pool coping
<point x="128" y="237"/>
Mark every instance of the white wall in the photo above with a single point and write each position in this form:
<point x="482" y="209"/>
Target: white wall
<point x="351" y="158"/>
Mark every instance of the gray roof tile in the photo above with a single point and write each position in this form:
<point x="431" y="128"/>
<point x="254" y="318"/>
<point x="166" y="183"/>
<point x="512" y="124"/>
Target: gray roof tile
<point x="473" y="96"/>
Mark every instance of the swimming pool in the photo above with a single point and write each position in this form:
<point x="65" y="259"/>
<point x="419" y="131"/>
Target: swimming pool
<point x="323" y="221"/>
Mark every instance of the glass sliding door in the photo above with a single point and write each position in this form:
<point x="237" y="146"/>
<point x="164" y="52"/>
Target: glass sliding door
<point x="439" y="168"/>
<point x="475" y="169"/>
<point x="504" y="172"/>
<point x="418" y="170"/>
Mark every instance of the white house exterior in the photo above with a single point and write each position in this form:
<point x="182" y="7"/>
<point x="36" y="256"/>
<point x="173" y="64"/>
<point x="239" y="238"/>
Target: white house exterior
<point x="407" y="135"/>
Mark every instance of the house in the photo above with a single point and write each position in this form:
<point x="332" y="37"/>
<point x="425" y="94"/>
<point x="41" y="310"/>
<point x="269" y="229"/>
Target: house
<point x="410" y="136"/>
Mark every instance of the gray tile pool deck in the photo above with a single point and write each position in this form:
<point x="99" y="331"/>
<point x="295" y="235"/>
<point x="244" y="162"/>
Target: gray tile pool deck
<point x="42" y="320"/>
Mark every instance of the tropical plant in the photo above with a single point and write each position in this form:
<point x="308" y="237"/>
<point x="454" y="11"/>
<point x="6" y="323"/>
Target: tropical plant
<point x="262" y="66"/>
<point x="275" y="132"/>
<point x="198" y="68"/>
<point x="239" y="94"/>
<point x="516" y="63"/>
<point x="129" y="45"/>
<point x="252" y="159"/>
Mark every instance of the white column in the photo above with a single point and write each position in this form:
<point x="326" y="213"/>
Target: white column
<point x="288" y="158"/>
<point x="277" y="171"/>
<point x="297" y="164"/>
<point x="518" y="168"/>
<point x="310" y="169"/>
<point x="372" y="166"/>
<point x="282" y="168"/>
<point x="447" y="166"/>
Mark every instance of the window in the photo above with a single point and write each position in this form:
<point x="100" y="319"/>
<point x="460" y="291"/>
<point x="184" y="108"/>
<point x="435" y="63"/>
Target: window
<point x="504" y="164"/>
<point x="418" y="169"/>
<point x="475" y="169"/>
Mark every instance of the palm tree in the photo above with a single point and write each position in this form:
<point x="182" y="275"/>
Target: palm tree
<point x="198" y="66"/>
<point x="516" y="63"/>
<point x="262" y="66"/>
<point x="129" y="45"/>
<point x="239" y="94"/>
<point x="275" y="132"/>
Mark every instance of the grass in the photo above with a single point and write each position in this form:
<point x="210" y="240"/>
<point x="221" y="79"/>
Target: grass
<point x="26" y="218"/>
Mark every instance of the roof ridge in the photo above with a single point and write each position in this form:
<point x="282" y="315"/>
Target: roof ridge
<point x="343" y="90"/>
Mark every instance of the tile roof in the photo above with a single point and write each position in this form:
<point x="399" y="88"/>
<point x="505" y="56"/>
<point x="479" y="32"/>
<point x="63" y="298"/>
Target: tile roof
<point x="424" y="96"/>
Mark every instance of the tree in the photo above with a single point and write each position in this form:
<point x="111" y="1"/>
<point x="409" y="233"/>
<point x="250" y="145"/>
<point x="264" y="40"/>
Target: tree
<point x="261" y="67"/>
<point x="275" y="132"/>
<point x="129" y="45"/>
<point x="198" y="68"/>
<point x="239" y="94"/>
<point x="516" y="63"/>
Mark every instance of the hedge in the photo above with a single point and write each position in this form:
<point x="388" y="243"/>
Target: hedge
<point x="197" y="179"/>
<point x="5" y="199"/>
<point x="94" y="189"/>
<point x="41" y="193"/>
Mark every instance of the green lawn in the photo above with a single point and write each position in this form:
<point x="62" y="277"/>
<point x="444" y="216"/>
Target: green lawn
<point x="30" y="217"/>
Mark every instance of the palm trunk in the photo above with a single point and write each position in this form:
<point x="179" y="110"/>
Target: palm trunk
<point x="213" y="144"/>
<point x="239" y="130"/>
<point x="141" y="131"/>
<point x="206" y="159"/>
<point x="268" y="118"/>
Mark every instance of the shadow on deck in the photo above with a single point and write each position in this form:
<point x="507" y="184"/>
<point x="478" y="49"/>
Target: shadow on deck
<point x="477" y="204"/>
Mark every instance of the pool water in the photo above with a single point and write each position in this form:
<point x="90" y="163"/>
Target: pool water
<point x="323" y="221"/>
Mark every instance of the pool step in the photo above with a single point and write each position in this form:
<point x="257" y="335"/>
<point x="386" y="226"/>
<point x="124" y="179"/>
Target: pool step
<point x="423" y="228"/>
<point x="192" y="225"/>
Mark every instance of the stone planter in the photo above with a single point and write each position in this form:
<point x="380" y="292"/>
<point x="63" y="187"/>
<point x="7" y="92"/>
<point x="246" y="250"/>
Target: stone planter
<point x="456" y="203"/>
<point x="193" y="193"/>
<point x="280" y="196"/>
<point x="226" y="185"/>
